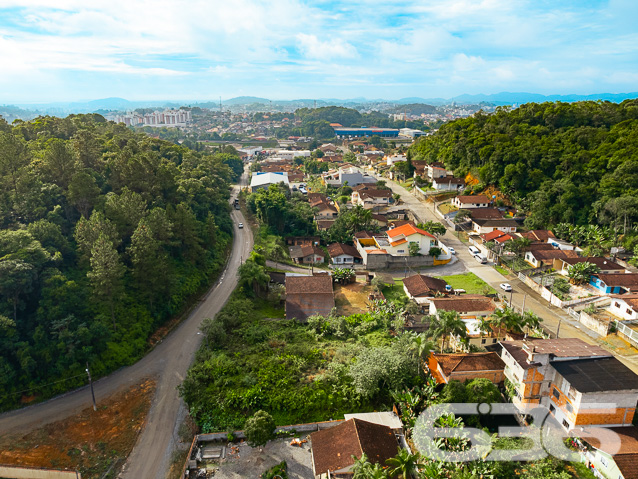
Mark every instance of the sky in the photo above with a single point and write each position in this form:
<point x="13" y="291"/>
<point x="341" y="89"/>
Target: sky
<point x="75" y="50"/>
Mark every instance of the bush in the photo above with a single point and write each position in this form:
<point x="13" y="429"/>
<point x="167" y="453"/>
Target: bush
<point x="279" y="470"/>
<point x="259" y="429"/>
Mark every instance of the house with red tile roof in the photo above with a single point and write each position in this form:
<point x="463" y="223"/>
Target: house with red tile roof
<point x="308" y="295"/>
<point x="343" y="254"/>
<point x="400" y="238"/>
<point x="605" y="456"/>
<point x="471" y="201"/>
<point x="333" y="449"/>
<point x="466" y="366"/>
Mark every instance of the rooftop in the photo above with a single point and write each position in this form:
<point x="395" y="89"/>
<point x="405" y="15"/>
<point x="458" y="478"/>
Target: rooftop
<point x="407" y="230"/>
<point x="597" y="375"/>
<point x="627" y="280"/>
<point x="465" y="303"/>
<point x="486" y="213"/>
<point x="420" y="285"/>
<point x="555" y="348"/>
<point x="337" y="249"/>
<point x="320" y="283"/>
<point x="547" y="254"/>
<point x="538" y="235"/>
<point x="471" y="199"/>
<point x="332" y="449"/>
<point x="496" y="222"/>
<point x="469" y="362"/>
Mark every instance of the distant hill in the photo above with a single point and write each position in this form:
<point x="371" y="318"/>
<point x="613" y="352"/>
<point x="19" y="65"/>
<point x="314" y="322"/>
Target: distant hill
<point x="245" y="100"/>
<point x="508" y="98"/>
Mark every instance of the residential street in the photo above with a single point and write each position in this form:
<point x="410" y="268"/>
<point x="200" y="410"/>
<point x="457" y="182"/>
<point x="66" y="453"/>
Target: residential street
<point x="551" y="315"/>
<point x="168" y="362"/>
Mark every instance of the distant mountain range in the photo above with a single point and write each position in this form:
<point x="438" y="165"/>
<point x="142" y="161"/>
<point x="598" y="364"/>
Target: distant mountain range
<point x="27" y="111"/>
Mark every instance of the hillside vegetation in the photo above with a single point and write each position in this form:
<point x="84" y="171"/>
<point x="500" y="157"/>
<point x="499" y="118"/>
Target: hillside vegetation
<point x="104" y="235"/>
<point x="572" y="163"/>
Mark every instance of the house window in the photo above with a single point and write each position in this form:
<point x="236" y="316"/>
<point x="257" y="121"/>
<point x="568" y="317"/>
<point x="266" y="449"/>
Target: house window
<point x="552" y="409"/>
<point x="565" y="424"/>
<point x="569" y="407"/>
<point x="571" y="394"/>
<point x="482" y="341"/>
<point x="603" y="461"/>
<point x="493" y="340"/>
<point x="617" y="305"/>
<point x="556" y="393"/>
<point x="400" y="251"/>
<point x="629" y="311"/>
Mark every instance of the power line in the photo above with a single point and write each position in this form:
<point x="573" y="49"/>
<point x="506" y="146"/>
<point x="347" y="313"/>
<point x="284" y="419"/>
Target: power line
<point x="41" y="386"/>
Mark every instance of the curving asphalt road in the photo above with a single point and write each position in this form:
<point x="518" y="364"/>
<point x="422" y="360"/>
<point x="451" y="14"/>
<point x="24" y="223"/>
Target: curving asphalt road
<point x="168" y="363"/>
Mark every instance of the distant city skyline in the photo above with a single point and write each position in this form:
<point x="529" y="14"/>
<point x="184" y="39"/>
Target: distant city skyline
<point x="71" y="50"/>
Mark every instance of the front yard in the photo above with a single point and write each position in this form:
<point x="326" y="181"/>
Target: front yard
<point x="471" y="283"/>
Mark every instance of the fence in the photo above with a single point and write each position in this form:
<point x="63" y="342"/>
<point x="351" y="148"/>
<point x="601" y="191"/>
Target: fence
<point x="20" y="472"/>
<point x="627" y="333"/>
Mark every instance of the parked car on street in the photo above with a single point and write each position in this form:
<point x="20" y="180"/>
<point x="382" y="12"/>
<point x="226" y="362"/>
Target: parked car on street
<point x="505" y="287"/>
<point x="452" y="250"/>
<point x="473" y="250"/>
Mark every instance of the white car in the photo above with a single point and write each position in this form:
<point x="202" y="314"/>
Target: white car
<point x="473" y="250"/>
<point x="505" y="287"/>
<point x="240" y="225"/>
<point x="452" y="250"/>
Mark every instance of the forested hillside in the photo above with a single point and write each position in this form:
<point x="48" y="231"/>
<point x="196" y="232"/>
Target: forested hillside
<point x="104" y="234"/>
<point x="574" y="163"/>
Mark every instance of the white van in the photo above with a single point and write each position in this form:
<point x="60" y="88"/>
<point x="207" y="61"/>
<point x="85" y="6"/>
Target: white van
<point x="474" y="250"/>
<point x="480" y="258"/>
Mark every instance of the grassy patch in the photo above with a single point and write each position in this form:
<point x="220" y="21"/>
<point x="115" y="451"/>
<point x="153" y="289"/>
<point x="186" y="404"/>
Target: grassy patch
<point x="445" y="208"/>
<point x="501" y="270"/>
<point x="394" y="292"/>
<point x="471" y="283"/>
<point x="266" y="310"/>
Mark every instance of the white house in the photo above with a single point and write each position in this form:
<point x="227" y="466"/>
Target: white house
<point x="343" y="254"/>
<point x="447" y="183"/>
<point x="391" y="160"/>
<point x="371" y="198"/>
<point x="290" y="155"/>
<point x="481" y="226"/>
<point x="263" y="180"/>
<point x="399" y="240"/>
<point x="472" y="201"/>
<point x="624" y="306"/>
<point x="434" y="171"/>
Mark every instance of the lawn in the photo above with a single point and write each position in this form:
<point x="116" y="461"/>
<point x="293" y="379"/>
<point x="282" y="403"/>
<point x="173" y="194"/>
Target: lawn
<point x="471" y="283"/>
<point x="501" y="270"/>
<point x="445" y="208"/>
<point x="266" y="310"/>
<point x="394" y="292"/>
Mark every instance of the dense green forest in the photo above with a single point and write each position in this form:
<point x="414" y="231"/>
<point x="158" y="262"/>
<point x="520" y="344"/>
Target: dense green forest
<point x="561" y="163"/>
<point x="104" y="235"/>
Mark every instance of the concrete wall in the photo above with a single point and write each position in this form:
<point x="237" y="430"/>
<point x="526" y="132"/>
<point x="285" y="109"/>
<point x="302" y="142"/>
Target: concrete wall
<point x="19" y="472"/>
<point x="595" y="324"/>
<point x="386" y="261"/>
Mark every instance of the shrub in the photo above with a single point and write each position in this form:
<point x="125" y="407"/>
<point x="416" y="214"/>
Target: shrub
<point x="259" y="429"/>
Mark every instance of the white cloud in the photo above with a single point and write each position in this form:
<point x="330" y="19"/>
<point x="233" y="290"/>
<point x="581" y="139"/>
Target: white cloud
<point x="314" y="48"/>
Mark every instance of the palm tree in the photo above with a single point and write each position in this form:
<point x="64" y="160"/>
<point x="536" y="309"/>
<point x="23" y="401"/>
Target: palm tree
<point x="580" y="273"/>
<point x="447" y="323"/>
<point x="404" y="464"/>
<point x="363" y="469"/>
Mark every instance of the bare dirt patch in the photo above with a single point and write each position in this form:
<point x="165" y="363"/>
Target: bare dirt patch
<point x="352" y="298"/>
<point x="89" y="442"/>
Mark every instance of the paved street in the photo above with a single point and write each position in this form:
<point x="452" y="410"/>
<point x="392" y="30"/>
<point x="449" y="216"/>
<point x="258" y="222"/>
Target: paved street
<point x="552" y="316"/>
<point x="168" y="362"/>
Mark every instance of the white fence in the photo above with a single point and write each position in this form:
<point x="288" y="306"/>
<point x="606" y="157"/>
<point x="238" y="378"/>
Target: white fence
<point x="627" y="333"/>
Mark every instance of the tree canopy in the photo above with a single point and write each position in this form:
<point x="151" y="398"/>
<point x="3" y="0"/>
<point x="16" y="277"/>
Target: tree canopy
<point x="91" y="210"/>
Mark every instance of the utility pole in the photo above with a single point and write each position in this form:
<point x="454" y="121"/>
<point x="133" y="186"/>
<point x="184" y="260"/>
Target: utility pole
<point x="511" y="295"/>
<point x="558" y="328"/>
<point x="91" y="384"/>
<point x="524" y="298"/>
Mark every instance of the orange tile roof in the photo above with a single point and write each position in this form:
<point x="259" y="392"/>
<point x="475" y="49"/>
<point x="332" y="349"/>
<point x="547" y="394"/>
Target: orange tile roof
<point x="408" y="230"/>
<point x="398" y="242"/>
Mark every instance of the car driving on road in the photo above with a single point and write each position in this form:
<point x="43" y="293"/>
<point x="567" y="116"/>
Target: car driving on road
<point x="240" y="225"/>
<point x="452" y="250"/>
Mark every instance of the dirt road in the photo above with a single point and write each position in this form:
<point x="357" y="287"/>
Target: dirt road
<point x="168" y="362"/>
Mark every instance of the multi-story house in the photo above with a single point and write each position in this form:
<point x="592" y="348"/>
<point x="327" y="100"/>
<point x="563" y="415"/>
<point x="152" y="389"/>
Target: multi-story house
<point x="581" y="384"/>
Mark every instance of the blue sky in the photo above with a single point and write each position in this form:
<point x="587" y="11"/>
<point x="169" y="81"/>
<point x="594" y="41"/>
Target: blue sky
<point x="65" y="50"/>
